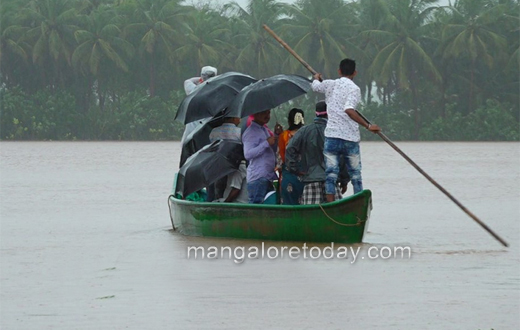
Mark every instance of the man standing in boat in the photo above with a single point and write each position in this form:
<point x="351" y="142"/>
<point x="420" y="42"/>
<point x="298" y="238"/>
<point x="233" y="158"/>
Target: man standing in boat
<point x="260" y="151"/>
<point x="205" y="73"/>
<point x="342" y="135"/>
<point x="189" y="86"/>
<point x="304" y="157"/>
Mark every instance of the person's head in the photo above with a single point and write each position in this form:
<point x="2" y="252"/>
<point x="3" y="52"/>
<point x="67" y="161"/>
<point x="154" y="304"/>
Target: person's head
<point x="347" y="67"/>
<point x="295" y="119"/>
<point x="232" y="120"/>
<point x="321" y="109"/>
<point x="262" y="118"/>
<point x="208" y="72"/>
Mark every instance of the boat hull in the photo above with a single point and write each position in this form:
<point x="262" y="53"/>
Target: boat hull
<point x="342" y="221"/>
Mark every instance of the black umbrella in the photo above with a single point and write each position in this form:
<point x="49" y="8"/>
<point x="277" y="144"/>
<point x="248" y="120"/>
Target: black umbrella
<point x="267" y="94"/>
<point x="209" y="164"/>
<point x="198" y="137"/>
<point x="212" y="96"/>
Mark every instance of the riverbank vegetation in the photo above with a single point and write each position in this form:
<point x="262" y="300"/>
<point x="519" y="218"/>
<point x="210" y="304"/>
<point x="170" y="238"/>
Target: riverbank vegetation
<point x="114" y="69"/>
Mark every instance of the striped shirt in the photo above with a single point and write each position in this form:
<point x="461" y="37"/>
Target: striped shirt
<point x="226" y="131"/>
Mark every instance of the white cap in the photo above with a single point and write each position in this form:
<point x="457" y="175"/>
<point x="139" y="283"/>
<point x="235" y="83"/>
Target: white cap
<point x="208" y="72"/>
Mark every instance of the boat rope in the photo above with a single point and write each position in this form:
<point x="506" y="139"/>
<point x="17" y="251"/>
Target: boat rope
<point x="170" y="209"/>
<point x="359" y="221"/>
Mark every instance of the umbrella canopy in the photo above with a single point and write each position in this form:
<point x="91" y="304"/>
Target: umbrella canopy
<point x="212" y="96"/>
<point x="198" y="136"/>
<point x="209" y="164"/>
<point x="267" y="94"/>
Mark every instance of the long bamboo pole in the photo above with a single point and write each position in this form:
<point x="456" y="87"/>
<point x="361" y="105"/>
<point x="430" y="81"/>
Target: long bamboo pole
<point x="387" y="140"/>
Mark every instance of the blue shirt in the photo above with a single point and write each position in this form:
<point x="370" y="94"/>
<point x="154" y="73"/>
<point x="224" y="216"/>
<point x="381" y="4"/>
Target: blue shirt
<point x="259" y="153"/>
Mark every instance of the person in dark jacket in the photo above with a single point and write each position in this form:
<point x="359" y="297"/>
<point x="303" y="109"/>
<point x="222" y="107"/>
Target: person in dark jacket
<point x="304" y="157"/>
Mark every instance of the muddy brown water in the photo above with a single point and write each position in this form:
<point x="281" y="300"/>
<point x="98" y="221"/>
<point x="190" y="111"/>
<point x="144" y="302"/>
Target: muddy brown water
<point x="86" y="243"/>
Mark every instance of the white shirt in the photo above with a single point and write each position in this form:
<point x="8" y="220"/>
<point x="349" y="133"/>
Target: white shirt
<point x="340" y="94"/>
<point x="238" y="180"/>
<point x="191" y="84"/>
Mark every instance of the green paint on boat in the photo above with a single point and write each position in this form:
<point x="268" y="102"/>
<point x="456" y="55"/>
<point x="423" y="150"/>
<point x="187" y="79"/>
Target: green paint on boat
<point x="342" y="221"/>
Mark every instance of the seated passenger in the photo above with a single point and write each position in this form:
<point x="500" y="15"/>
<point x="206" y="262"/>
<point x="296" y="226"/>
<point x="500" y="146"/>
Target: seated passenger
<point x="233" y="187"/>
<point x="236" y="186"/>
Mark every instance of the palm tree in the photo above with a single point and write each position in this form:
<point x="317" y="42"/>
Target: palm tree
<point x="88" y="6"/>
<point x="470" y="36"/>
<point x="371" y="17"/>
<point x="52" y="24"/>
<point x="14" y="52"/>
<point x="206" y="41"/>
<point x="400" y="59"/>
<point x="158" y="27"/>
<point x="321" y="32"/>
<point x="100" y="47"/>
<point x="258" y="53"/>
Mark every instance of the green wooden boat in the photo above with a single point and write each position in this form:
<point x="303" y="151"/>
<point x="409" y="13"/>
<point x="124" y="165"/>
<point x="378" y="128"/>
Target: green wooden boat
<point x="342" y="221"/>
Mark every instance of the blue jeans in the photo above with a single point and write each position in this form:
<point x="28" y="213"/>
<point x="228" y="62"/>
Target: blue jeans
<point x="257" y="190"/>
<point x="333" y="150"/>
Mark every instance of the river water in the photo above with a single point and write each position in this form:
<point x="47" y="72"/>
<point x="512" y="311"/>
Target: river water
<point x="86" y="243"/>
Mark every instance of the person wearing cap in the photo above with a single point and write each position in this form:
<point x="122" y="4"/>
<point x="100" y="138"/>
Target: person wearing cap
<point x="205" y="73"/>
<point x="304" y="157"/>
<point x="342" y="135"/>
<point x="189" y="86"/>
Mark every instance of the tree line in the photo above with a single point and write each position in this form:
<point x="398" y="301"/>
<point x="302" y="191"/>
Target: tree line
<point x="114" y="69"/>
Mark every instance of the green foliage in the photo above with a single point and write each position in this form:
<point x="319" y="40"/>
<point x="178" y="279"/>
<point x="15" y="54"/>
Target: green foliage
<point x="491" y="122"/>
<point x="139" y="117"/>
<point x="46" y="115"/>
<point x="53" y="116"/>
<point x="397" y="122"/>
<point x="73" y="69"/>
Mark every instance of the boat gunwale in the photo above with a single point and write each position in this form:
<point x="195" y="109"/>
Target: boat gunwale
<point x="362" y="194"/>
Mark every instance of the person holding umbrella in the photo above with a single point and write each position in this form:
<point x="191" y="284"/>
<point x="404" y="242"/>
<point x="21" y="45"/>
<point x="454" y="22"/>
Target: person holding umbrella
<point x="260" y="151"/>
<point x="342" y="135"/>
<point x="189" y="86"/>
<point x="205" y="73"/>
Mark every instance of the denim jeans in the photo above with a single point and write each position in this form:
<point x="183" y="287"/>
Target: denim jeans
<point x="333" y="150"/>
<point x="257" y="190"/>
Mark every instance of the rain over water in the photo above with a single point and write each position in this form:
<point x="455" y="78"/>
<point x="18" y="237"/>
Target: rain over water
<point x="86" y="243"/>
